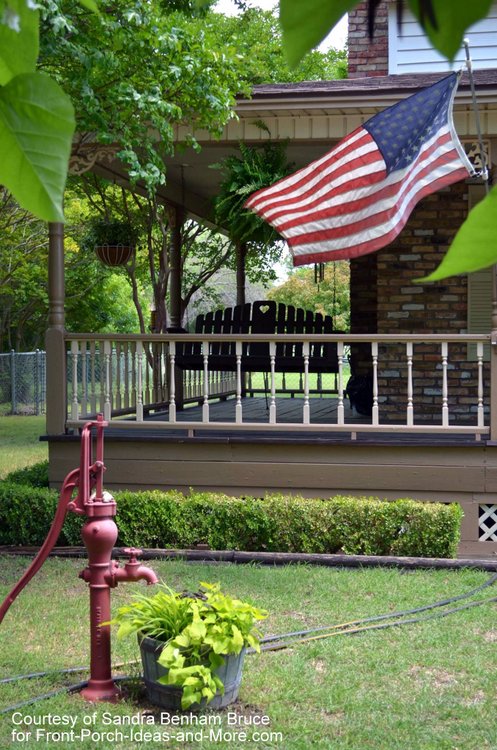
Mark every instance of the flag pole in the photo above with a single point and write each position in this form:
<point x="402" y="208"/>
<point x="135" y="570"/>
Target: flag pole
<point x="483" y="156"/>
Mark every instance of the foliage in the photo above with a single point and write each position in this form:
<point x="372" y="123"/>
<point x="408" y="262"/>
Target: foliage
<point x="203" y="251"/>
<point x="331" y="296"/>
<point x="96" y="299"/>
<point x="197" y="631"/>
<point x="110" y="232"/>
<point x="189" y="79"/>
<point x="36" y="117"/>
<point x="35" y="475"/>
<point x="277" y="523"/>
<point x="256" y="35"/>
<point x="444" y="22"/>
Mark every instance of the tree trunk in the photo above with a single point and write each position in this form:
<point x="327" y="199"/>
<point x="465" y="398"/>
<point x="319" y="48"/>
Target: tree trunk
<point x="241" y="252"/>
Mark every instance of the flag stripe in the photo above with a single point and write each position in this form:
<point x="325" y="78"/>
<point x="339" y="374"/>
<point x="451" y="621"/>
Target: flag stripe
<point x="341" y="202"/>
<point x="354" y="246"/>
<point x="350" y="142"/>
<point x="365" y="157"/>
<point x="358" y="197"/>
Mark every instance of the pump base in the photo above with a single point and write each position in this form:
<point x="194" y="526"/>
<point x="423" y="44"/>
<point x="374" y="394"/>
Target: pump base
<point x="101" y="690"/>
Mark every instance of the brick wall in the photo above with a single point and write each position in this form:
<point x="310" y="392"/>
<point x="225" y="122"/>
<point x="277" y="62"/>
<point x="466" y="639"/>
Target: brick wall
<point x="368" y="57"/>
<point x="405" y="307"/>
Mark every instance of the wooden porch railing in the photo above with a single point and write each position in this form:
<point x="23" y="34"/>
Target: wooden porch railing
<point x="441" y="382"/>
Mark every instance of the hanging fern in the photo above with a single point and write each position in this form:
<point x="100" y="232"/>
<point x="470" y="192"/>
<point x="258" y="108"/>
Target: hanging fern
<point x="257" y="167"/>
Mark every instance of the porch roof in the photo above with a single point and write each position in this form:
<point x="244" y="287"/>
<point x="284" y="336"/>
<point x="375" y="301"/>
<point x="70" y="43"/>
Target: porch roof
<point x="312" y="116"/>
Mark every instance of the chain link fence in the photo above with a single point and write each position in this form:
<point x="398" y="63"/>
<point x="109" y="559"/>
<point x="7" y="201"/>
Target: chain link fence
<point x="23" y="382"/>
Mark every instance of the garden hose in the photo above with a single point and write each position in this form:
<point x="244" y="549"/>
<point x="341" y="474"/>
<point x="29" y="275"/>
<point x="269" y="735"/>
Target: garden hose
<point x="288" y="640"/>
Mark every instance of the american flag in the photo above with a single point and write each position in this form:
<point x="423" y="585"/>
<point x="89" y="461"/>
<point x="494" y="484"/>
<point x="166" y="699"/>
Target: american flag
<point x="357" y="198"/>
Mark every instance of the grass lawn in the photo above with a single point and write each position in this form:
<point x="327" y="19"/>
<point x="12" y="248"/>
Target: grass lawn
<point x="19" y="442"/>
<point x="427" y="686"/>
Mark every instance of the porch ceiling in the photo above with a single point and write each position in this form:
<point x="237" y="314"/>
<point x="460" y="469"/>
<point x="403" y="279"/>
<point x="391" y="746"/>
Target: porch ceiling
<point x="311" y="116"/>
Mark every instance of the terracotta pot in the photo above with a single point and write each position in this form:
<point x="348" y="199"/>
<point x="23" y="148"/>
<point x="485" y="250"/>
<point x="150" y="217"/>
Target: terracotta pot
<point x="114" y="255"/>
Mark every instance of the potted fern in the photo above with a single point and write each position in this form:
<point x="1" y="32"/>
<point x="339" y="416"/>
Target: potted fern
<point x="192" y="645"/>
<point x="114" y="241"/>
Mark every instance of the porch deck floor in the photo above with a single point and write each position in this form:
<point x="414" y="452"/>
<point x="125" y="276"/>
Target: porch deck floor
<point x="288" y="411"/>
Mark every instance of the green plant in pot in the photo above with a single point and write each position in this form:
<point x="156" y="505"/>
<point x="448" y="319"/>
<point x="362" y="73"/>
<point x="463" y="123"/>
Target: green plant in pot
<point x="114" y="241"/>
<point x="192" y="645"/>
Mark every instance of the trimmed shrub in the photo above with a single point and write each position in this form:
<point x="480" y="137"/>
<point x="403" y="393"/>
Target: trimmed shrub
<point x="276" y="523"/>
<point x="26" y="514"/>
<point x="35" y="475"/>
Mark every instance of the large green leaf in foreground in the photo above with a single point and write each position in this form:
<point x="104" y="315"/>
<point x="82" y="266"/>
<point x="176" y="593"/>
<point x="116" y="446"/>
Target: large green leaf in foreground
<point x="18" y="39"/>
<point x="453" y="19"/>
<point x="36" y="128"/>
<point x="306" y="24"/>
<point x="475" y="244"/>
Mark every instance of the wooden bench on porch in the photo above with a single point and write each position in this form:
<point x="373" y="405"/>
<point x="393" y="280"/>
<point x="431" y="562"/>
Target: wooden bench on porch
<point x="261" y="317"/>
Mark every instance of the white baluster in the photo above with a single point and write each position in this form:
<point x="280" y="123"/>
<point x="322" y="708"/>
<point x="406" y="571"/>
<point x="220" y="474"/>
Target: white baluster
<point x="410" y="390"/>
<point x="374" y="354"/>
<point x="445" y="388"/>
<point x="93" y="387"/>
<point x="84" y="379"/>
<point x="340" y="407"/>
<point x="272" y="358"/>
<point x="118" y="375"/>
<point x="133" y="375"/>
<point x="126" y="374"/>
<point x="172" y="381"/>
<point x="75" y="357"/>
<point x="481" y="412"/>
<point x="205" y="405"/>
<point x="307" y="408"/>
<point x="139" y="381"/>
<point x="238" y="407"/>
<point x="107" y="381"/>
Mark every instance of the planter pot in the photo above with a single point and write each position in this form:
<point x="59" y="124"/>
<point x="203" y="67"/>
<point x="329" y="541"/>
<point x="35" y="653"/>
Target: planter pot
<point x="169" y="696"/>
<point x="114" y="255"/>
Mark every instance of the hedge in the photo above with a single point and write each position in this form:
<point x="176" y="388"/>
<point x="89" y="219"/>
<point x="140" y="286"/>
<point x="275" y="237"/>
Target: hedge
<point x="275" y="523"/>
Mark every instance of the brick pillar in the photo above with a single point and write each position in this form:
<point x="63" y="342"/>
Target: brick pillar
<point x="363" y="309"/>
<point x="367" y="57"/>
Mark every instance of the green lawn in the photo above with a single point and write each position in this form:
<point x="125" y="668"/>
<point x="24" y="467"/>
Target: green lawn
<point x="427" y="686"/>
<point x="19" y="442"/>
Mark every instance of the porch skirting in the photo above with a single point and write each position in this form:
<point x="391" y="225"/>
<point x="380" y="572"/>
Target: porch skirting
<point x="429" y="469"/>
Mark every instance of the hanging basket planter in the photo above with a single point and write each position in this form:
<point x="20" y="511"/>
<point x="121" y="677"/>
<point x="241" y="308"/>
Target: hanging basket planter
<point x="114" y="255"/>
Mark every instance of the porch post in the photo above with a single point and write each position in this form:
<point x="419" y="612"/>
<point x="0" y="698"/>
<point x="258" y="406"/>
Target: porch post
<point x="54" y="338"/>
<point x="241" y="252"/>
<point x="493" y="361"/>
<point x="175" y="270"/>
<point x="175" y="311"/>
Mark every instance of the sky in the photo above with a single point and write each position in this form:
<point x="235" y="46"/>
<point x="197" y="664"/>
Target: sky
<point x="336" y="38"/>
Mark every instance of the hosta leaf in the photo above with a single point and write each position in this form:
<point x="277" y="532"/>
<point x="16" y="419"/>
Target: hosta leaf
<point x="36" y="128"/>
<point x="305" y="24"/>
<point x="453" y="19"/>
<point x="475" y="244"/>
<point x="18" y="39"/>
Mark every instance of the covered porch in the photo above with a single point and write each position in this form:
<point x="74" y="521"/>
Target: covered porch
<point x="431" y="433"/>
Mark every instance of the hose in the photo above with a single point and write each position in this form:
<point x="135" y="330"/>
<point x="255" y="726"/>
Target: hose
<point x="277" y="642"/>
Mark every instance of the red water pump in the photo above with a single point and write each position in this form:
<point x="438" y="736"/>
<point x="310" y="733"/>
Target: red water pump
<point x="99" y="535"/>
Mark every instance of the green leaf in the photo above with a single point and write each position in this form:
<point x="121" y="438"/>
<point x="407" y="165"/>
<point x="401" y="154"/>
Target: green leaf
<point x="453" y="19"/>
<point x="475" y="245"/>
<point x="36" y="128"/>
<point x="306" y="24"/>
<point x="90" y="4"/>
<point x="19" y="41"/>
